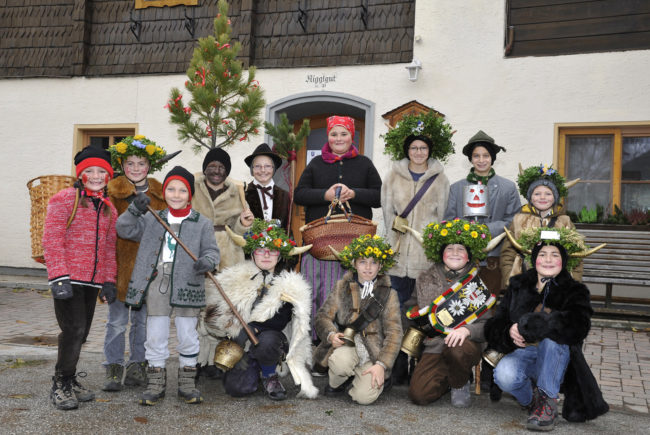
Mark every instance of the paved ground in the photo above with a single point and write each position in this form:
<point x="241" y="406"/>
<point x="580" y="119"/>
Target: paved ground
<point x="620" y="360"/>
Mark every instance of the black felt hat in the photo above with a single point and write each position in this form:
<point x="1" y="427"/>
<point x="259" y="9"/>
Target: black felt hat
<point x="482" y="139"/>
<point x="264" y="150"/>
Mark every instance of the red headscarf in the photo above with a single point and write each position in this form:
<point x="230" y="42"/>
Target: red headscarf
<point x="344" y="121"/>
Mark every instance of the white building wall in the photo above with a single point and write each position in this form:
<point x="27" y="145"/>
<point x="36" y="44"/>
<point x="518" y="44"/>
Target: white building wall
<point x="464" y="75"/>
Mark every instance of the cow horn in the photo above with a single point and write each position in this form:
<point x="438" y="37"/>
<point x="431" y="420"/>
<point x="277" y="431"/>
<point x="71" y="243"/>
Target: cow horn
<point x="297" y="250"/>
<point x="239" y="240"/>
<point x="587" y="252"/>
<point x="571" y="183"/>
<point x="336" y="253"/>
<point x="494" y="242"/>
<point x="515" y="243"/>
<point x="416" y="233"/>
<point x="521" y="169"/>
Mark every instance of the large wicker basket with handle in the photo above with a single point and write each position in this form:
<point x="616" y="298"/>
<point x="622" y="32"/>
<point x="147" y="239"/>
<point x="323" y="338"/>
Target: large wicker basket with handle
<point x="335" y="230"/>
<point x="41" y="189"/>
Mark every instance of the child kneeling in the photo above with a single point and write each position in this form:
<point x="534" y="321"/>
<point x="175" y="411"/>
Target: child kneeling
<point x="169" y="280"/>
<point x="364" y="302"/>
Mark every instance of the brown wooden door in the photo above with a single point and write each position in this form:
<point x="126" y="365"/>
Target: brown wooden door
<point x="314" y="142"/>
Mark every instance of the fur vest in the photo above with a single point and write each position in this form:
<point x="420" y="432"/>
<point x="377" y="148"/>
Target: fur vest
<point x="511" y="259"/>
<point x="397" y="191"/>
<point x="382" y="337"/>
<point x="567" y="321"/>
<point x="280" y="204"/>
<point x="431" y="284"/>
<point x="224" y="210"/>
<point x="241" y="283"/>
<point x="121" y="191"/>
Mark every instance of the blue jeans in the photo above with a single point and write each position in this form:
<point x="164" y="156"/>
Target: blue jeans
<point x="118" y="318"/>
<point x="543" y="364"/>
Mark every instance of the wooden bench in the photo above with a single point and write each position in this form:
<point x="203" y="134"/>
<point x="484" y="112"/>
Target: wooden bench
<point x="624" y="261"/>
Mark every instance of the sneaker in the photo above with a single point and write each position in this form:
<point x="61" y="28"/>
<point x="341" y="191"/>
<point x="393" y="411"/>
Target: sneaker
<point x="544" y="416"/>
<point x="187" y="386"/>
<point x="156" y="385"/>
<point x="274" y="388"/>
<point x="460" y="397"/>
<point x="337" y="391"/>
<point x="136" y="374"/>
<point x="113" y="379"/>
<point x="61" y="393"/>
<point x="82" y="393"/>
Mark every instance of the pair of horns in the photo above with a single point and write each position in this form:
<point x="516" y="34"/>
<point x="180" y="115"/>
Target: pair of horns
<point x="568" y="184"/>
<point x="493" y="243"/>
<point x="240" y="241"/>
<point x="581" y="254"/>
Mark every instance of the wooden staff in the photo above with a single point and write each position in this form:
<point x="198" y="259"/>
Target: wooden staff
<point x="248" y="330"/>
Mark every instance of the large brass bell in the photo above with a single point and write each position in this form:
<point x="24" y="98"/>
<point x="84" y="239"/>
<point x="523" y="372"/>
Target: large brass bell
<point x="348" y="336"/>
<point x="493" y="357"/>
<point x="227" y="354"/>
<point x="412" y="343"/>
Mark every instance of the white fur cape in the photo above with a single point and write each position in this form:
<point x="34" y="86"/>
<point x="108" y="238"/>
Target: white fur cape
<point x="240" y="282"/>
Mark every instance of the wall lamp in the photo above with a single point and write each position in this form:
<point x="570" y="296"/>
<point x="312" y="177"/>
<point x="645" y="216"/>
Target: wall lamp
<point x="413" y="69"/>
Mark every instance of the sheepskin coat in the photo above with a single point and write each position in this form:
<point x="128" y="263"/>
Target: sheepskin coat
<point x="280" y="204"/>
<point x="503" y="204"/>
<point x="241" y="283"/>
<point x="224" y="210"/>
<point x="382" y="337"/>
<point x="511" y="259"/>
<point x="431" y="284"/>
<point x="566" y="319"/>
<point x="397" y="191"/>
<point x="122" y="191"/>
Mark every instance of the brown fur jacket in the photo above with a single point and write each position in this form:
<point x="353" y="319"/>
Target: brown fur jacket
<point x="511" y="260"/>
<point x="280" y="204"/>
<point x="120" y="190"/>
<point x="382" y="337"/>
<point x="397" y="191"/>
<point x="224" y="210"/>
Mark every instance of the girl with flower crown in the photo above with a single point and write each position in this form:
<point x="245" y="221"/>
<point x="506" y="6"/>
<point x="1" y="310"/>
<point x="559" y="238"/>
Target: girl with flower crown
<point x="363" y="302"/>
<point x="454" y="346"/>
<point x="544" y="188"/>
<point x="136" y="157"/>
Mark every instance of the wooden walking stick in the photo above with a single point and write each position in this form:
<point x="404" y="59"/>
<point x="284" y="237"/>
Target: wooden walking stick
<point x="248" y="330"/>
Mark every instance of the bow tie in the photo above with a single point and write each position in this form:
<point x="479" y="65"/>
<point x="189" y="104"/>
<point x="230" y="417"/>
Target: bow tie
<point x="266" y="191"/>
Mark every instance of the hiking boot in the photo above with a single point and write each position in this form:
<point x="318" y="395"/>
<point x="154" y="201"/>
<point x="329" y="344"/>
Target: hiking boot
<point x="460" y="397"/>
<point x="82" y="393"/>
<point x="61" y="394"/>
<point x="274" y="388"/>
<point x="136" y="374"/>
<point x="113" y="379"/>
<point x="156" y="384"/>
<point x="544" y="416"/>
<point x="187" y="385"/>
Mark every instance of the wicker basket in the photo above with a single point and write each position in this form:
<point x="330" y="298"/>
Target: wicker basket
<point x="336" y="231"/>
<point x="41" y="189"/>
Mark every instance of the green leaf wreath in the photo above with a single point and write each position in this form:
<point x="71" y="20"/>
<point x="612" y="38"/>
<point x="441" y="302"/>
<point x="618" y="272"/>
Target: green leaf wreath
<point x="426" y="124"/>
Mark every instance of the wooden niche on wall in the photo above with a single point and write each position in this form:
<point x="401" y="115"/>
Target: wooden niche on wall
<point x="141" y="4"/>
<point x="411" y="108"/>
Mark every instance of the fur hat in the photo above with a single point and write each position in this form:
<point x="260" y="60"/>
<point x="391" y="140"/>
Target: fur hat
<point x="217" y="155"/>
<point x="263" y="150"/>
<point x="542" y="243"/>
<point x="93" y="155"/>
<point x="181" y="174"/>
<point x="482" y="139"/>
<point x="412" y="138"/>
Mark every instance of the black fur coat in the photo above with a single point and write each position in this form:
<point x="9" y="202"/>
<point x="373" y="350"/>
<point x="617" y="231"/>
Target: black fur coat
<point x="568" y="322"/>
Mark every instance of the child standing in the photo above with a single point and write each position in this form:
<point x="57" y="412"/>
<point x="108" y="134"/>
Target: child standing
<point x="169" y="280"/>
<point x="364" y="301"/>
<point x="136" y="157"/>
<point x="79" y="250"/>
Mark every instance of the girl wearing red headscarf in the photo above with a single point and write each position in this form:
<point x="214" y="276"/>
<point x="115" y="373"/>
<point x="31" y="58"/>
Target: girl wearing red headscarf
<point x="339" y="165"/>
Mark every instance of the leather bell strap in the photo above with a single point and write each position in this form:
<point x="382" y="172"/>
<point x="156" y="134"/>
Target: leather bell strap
<point x="370" y="313"/>
<point x="418" y="196"/>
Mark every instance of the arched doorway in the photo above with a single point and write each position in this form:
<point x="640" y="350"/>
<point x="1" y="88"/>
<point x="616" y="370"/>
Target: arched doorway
<point x="317" y="106"/>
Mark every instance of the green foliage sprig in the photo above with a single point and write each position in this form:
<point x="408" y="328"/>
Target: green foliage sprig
<point x="426" y="124"/>
<point x="534" y="173"/>
<point x="286" y="143"/>
<point x="570" y="239"/>
<point x="473" y="236"/>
